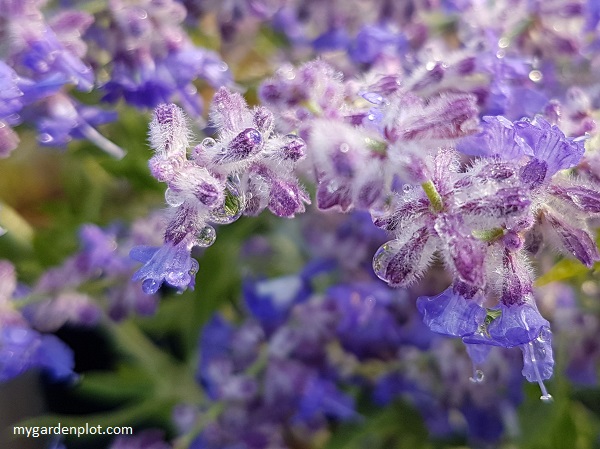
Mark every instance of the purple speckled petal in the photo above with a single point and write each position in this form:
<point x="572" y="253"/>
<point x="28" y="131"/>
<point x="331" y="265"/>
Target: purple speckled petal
<point x="246" y="144"/>
<point x="506" y="202"/>
<point x="400" y="264"/>
<point x="582" y="198"/>
<point x="577" y="242"/>
<point x="465" y="251"/>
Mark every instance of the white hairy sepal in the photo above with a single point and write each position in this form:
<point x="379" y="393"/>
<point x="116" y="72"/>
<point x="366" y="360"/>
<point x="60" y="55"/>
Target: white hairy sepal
<point x="169" y="134"/>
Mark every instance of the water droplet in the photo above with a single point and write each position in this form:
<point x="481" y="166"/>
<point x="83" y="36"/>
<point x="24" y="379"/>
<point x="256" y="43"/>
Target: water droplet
<point x="500" y="54"/>
<point x="430" y="65"/>
<point x="45" y="138"/>
<point x="206" y="236"/>
<point x="173" y="198"/>
<point x="503" y="42"/>
<point x="373" y="97"/>
<point x="371" y="117"/>
<point x="407" y="188"/>
<point x="547" y="398"/>
<point x="477" y="377"/>
<point x="175" y="278"/>
<point x="223" y="67"/>
<point x="535" y="76"/>
<point x="208" y="143"/>
<point x="545" y="335"/>
<point x="150" y="286"/>
<point x="344" y="147"/>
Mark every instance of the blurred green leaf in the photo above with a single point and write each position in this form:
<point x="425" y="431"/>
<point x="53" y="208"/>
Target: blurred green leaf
<point x="563" y="270"/>
<point x="394" y="426"/>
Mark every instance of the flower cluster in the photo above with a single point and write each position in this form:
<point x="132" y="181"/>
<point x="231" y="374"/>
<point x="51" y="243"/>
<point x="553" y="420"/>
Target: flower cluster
<point x="247" y="169"/>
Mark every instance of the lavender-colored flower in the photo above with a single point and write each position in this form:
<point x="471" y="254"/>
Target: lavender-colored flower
<point x="451" y="313"/>
<point x="23" y="348"/>
<point x="172" y="263"/>
<point x="153" y="60"/>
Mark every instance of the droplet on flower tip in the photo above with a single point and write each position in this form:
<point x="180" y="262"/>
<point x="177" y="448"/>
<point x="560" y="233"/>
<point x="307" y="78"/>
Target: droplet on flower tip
<point x="45" y="138"/>
<point x="173" y="198"/>
<point x="206" y="236"/>
<point x="208" y="143"/>
<point x="478" y="377"/>
<point x="535" y="76"/>
<point x="547" y="398"/>
<point x="373" y="97"/>
<point x="150" y="286"/>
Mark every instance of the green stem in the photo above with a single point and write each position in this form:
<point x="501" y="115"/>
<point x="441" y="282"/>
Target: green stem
<point x="433" y="195"/>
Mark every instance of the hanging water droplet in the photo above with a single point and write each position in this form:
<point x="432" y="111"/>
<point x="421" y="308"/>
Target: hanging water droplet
<point x="173" y="198"/>
<point x="547" y="398"/>
<point x="45" y="138"/>
<point x="150" y="286"/>
<point x="206" y="236"/>
<point x="477" y="377"/>
<point x="175" y="278"/>
<point x="535" y="76"/>
<point x="208" y="143"/>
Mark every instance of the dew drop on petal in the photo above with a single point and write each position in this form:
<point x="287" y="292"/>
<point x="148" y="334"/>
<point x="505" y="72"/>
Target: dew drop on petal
<point x="208" y="143"/>
<point x="477" y="377"/>
<point x="173" y="198"/>
<point x="206" y="236"/>
<point x="150" y="286"/>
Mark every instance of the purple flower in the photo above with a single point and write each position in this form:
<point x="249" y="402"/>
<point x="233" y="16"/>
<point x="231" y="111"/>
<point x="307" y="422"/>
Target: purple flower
<point x="451" y="313"/>
<point x="22" y="349"/>
<point x="171" y="263"/>
<point x="322" y="398"/>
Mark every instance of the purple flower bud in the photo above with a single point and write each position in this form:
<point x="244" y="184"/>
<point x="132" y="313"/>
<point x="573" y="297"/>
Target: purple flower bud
<point x="512" y="241"/>
<point x="286" y="198"/>
<point x="401" y="213"/>
<point x="575" y="241"/>
<point x="534" y="173"/>
<point x="450" y="313"/>
<point x="516" y="282"/>
<point x="466" y="252"/>
<point x="263" y="120"/>
<point x="331" y="193"/>
<point x="582" y="198"/>
<point x="244" y="145"/>
<point x="401" y="263"/>
<point x="228" y="110"/>
<point x="294" y="148"/>
<point x="208" y="194"/>
<point x="169" y="131"/>
<point x="506" y="202"/>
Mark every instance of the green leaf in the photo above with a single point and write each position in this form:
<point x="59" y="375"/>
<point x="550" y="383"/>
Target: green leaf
<point x="394" y="426"/>
<point x="127" y="382"/>
<point x="563" y="270"/>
